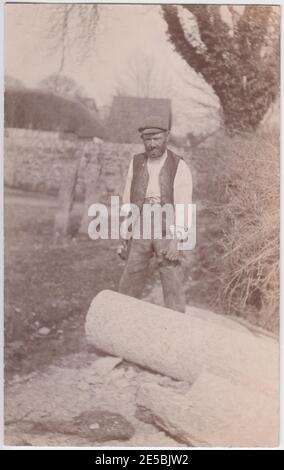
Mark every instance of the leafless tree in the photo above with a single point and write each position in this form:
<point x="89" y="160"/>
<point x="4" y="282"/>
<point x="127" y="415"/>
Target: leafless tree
<point x="72" y="28"/>
<point x="11" y="82"/>
<point x="61" y="84"/>
<point x="66" y="86"/>
<point x="142" y="79"/>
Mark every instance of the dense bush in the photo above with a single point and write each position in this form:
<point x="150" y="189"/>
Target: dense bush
<point x="239" y="184"/>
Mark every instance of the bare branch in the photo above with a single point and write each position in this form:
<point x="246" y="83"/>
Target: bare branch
<point x="72" y="30"/>
<point x="141" y="79"/>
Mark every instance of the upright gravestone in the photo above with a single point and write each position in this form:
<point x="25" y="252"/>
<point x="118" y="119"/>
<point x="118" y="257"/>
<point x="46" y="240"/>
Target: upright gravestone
<point x="67" y="190"/>
<point x="92" y="173"/>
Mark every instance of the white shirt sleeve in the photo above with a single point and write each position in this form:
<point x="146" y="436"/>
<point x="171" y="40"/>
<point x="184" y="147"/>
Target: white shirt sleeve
<point x="127" y="187"/>
<point x="183" y="191"/>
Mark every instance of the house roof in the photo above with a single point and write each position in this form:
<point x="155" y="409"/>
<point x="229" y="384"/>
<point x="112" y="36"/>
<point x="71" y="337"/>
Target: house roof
<point x="37" y="109"/>
<point x="127" y="113"/>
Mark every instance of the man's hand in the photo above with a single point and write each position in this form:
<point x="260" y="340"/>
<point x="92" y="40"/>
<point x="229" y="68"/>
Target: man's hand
<point x="122" y="250"/>
<point x="171" y="251"/>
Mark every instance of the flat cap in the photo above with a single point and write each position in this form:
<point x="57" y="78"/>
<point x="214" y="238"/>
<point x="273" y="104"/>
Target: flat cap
<point x="152" y="124"/>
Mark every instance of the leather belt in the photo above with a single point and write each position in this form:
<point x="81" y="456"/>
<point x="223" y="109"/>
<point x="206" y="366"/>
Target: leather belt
<point x="152" y="200"/>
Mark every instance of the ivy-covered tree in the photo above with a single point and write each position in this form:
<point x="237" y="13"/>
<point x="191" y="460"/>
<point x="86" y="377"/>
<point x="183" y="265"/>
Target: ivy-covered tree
<point x="237" y="53"/>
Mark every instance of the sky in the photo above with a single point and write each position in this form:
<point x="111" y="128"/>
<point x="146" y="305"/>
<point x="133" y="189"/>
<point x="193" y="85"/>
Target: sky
<point x="129" y="38"/>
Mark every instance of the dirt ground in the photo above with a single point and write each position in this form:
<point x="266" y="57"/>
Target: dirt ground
<point x="48" y="364"/>
<point x="49" y="287"/>
<point x="53" y="393"/>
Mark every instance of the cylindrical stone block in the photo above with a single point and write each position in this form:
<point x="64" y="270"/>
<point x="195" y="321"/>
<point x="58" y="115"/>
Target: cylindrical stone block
<point x="179" y="345"/>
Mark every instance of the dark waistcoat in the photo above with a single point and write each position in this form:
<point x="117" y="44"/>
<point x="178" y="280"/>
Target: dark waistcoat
<point x="141" y="177"/>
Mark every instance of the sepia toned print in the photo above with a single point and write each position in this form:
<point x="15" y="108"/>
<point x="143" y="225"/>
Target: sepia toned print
<point x="142" y="218"/>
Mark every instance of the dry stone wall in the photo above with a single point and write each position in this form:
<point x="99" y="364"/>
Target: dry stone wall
<point x="37" y="160"/>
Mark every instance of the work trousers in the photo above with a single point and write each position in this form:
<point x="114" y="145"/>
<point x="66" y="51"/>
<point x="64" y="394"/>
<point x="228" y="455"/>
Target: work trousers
<point x="135" y="273"/>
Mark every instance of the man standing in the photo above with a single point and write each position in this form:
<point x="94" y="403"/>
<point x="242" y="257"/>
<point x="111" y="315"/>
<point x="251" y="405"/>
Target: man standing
<point x="157" y="176"/>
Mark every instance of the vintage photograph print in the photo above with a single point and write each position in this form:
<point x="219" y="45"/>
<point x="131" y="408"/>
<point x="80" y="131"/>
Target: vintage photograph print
<point x="142" y="219"/>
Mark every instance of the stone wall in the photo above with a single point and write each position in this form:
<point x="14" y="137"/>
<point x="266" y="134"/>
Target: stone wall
<point x="37" y="161"/>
